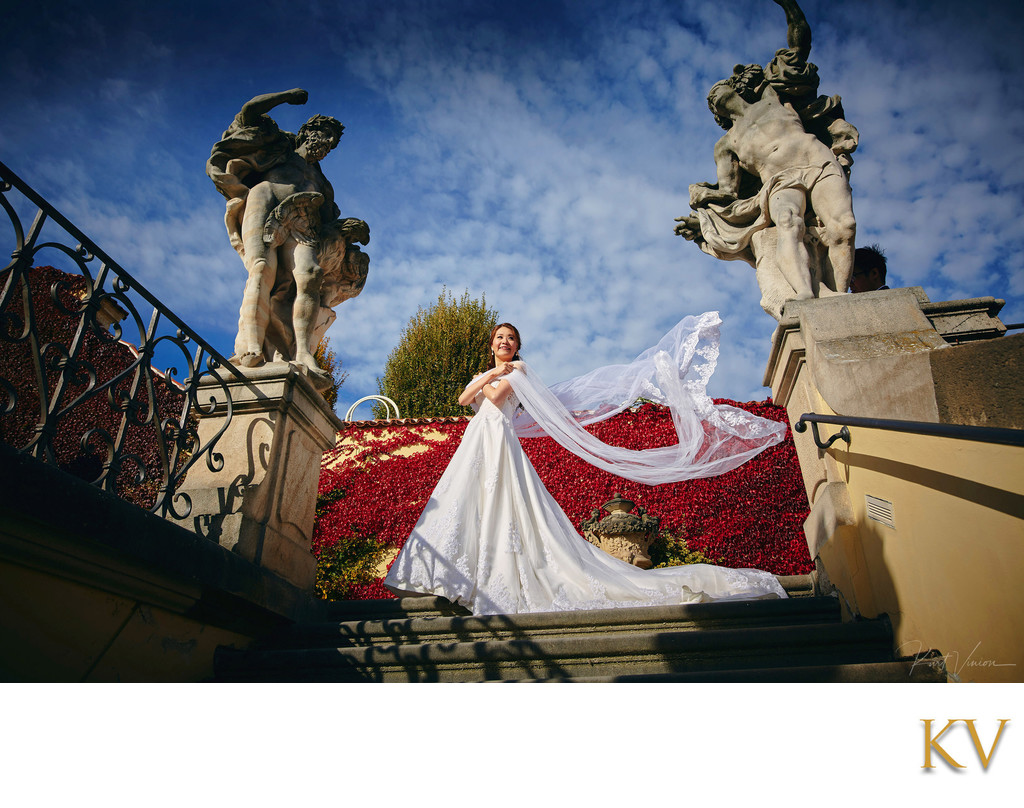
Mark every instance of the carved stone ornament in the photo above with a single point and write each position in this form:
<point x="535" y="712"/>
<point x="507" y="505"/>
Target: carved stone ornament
<point x="622" y="534"/>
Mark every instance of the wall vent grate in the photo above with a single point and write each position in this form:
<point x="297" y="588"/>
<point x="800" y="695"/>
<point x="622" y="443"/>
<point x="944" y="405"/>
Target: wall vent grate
<point x="880" y="510"/>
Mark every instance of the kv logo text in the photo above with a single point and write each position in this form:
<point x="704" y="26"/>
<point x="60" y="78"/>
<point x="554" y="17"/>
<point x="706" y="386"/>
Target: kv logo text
<point x="931" y="742"/>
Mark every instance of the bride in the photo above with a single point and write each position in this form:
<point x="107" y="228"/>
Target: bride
<point x="493" y="539"/>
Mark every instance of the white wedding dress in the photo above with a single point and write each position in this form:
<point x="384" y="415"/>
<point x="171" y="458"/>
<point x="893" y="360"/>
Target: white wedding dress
<point x="493" y="539"/>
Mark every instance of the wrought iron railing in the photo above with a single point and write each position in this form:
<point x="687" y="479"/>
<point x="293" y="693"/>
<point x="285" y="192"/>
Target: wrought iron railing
<point x="984" y="434"/>
<point x="79" y="392"/>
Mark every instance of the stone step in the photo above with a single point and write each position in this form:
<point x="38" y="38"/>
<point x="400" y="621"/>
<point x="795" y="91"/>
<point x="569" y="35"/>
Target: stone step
<point x="393" y="608"/>
<point x="796" y="586"/>
<point x="699" y="653"/>
<point x="898" y="671"/>
<point x="467" y="628"/>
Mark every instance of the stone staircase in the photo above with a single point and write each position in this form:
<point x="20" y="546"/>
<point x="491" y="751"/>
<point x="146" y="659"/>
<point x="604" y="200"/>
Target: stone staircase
<point x="801" y="639"/>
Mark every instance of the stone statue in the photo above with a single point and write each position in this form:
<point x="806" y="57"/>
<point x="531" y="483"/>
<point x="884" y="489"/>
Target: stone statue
<point x="782" y="201"/>
<point x="301" y="259"/>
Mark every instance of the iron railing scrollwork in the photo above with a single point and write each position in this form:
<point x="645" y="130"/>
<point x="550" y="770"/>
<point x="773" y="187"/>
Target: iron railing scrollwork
<point x="79" y="392"/>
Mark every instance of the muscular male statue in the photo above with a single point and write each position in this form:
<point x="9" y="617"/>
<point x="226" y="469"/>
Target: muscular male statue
<point x="282" y="219"/>
<point x="773" y="172"/>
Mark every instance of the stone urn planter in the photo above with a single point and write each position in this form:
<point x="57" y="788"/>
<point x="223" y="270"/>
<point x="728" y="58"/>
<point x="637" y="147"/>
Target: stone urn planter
<point x="621" y="533"/>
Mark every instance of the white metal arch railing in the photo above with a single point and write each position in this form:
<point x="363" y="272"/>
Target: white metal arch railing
<point x="388" y="406"/>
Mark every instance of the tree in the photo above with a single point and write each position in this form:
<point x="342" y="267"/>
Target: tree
<point x="327" y="360"/>
<point x="441" y="349"/>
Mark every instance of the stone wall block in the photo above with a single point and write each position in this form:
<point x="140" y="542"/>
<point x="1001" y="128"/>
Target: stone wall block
<point x="869" y="357"/>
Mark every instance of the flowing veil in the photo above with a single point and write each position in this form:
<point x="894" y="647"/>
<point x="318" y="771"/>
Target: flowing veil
<point x="712" y="438"/>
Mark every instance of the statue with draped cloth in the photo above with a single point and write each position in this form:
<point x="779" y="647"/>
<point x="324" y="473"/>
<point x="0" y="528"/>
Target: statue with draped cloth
<point x="782" y="200"/>
<point x="300" y="257"/>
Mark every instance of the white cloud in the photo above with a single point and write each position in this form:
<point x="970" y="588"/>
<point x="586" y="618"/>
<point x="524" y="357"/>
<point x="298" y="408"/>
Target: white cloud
<point x="540" y="159"/>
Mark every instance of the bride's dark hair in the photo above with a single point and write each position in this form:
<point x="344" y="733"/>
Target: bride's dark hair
<point x="490" y="341"/>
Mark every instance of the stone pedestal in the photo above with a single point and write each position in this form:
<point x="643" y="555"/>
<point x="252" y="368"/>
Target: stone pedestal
<point x="262" y="503"/>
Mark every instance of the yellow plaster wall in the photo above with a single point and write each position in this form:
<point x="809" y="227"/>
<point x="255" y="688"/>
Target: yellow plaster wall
<point x="949" y="574"/>
<point x="56" y="630"/>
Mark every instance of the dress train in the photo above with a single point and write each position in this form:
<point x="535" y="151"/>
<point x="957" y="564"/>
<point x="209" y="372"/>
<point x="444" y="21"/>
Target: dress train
<point x="493" y="539"/>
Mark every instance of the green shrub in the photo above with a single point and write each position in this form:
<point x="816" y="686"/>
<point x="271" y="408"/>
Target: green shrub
<point x="350" y="563"/>
<point x="672" y="551"/>
<point x="328" y="361"/>
<point x="441" y="349"/>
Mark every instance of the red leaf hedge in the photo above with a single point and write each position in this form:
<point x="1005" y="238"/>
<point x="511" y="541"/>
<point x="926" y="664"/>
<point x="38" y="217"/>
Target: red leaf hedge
<point x="750" y="517"/>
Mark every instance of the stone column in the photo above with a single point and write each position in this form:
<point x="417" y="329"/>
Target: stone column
<point x="262" y="503"/>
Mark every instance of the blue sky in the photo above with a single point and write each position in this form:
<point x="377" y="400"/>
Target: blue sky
<point x="536" y="153"/>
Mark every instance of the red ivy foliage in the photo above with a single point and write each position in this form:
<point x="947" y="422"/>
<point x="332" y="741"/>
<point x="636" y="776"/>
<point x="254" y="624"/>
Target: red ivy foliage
<point x="56" y="300"/>
<point x="749" y="517"/>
